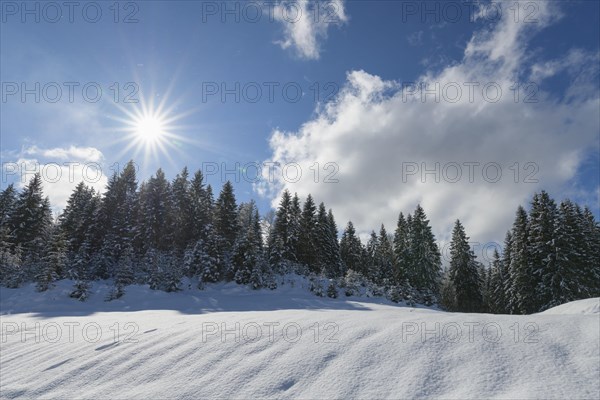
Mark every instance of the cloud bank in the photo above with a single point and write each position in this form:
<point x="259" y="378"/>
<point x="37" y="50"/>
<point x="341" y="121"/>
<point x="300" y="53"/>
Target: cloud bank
<point x="61" y="170"/>
<point x="465" y="142"/>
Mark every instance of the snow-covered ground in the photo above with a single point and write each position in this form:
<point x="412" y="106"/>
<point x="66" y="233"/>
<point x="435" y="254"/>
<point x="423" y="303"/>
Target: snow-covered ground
<point x="231" y="342"/>
<point x="587" y="306"/>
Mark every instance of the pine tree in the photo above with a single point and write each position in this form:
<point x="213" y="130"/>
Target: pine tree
<point x="327" y="247"/>
<point x="31" y="219"/>
<point x="510" y="297"/>
<point x="225" y="217"/>
<point x="464" y="272"/>
<point x="53" y="262"/>
<point x="384" y="258"/>
<point x="8" y="201"/>
<point x="157" y="226"/>
<point x="172" y="272"/>
<point x="371" y="268"/>
<point x="523" y="286"/>
<point x="447" y="293"/>
<point x="335" y="265"/>
<point x="485" y="282"/>
<point x="75" y="220"/>
<point x="424" y="268"/>
<point x="80" y="273"/>
<point x="182" y="211"/>
<point x="498" y="278"/>
<point x="351" y="250"/>
<point x="401" y="250"/>
<point x="12" y="272"/>
<point x="125" y="273"/>
<point x="153" y="269"/>
<point x="561" y="281"/>
<point x="10" y="261"/>
<point x="206" y="255"/>
<point x="247" y="257"/>
<point x="542" y="255"/>
<point x="200" y="206"/>
<point x="307" y="247"/>
<point x="332" y="291"/>
<point x="590" y="246"/>
<point x="294" y="230"/>
<point x="117" y="215"/>
<point x="281" y="245"/>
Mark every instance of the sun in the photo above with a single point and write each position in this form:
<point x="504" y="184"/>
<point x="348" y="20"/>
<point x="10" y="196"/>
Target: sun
<point x="150" y="128"/>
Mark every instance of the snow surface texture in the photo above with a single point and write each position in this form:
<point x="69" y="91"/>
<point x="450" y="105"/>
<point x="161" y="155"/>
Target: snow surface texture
<point x="176" y="346"/>
<point x="587" y="306"/>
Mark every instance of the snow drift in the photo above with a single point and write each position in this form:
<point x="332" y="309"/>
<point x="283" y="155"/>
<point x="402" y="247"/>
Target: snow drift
<point x="586" y="306"/>
<point x="230" y="342"/>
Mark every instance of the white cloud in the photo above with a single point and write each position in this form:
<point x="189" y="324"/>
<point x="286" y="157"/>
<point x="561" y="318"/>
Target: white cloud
<point x="61" y="170"/>
<point x="415" y="38"/>
<point x="89" y="154"/>
<point x="306" y="24"/>
<point x="375" y="130"/>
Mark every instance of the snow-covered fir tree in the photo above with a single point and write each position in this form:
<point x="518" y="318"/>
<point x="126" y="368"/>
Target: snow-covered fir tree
<point x="463" y="272"/>
<point x="307" y="238"/>
<point x="424" y="267"/>
<point x="401" y="249"/>
<point x="351" y="250"/>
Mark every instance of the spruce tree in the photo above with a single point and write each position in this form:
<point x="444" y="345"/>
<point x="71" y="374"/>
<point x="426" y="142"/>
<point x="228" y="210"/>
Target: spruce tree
<point x="157" y="225"/>
<point x="561" y="281"/>
<point x="384" y="259"/>
<point x="75" y="221"/>
<point x="207" y="255"/>
<point x="280" y="240"/>
<point x="510" y="297"/>
<point x="498" y="278"/>
<point x="464" y="272"/>
<point x="225" y="216"/>
<point x="32" y="218"/>
<point x="182" y="210"/>
<point x="125" y="273"/>
<point x="307" y="246"/>
<point x="327" y="248"/>
<point x="8" y="201"/>
<point x="200" y="208"/>
<point x="401" y="250"/>
<point x="247" y="259"/>
<point x="523" y="285"/>
<point x="424" y="268"/>
<point x="590" y="248"/>
<point x="371" y="253"/>
<point x="53" y="262"/>
<point x="117" y="215"/>
<point x="335" y="265"/>
<point x="80" y="273"/>
<point x="542" y="254"/>
<point x="351" y="250"/>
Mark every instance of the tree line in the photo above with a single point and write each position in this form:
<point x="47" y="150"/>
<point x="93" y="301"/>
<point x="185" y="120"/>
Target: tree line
<point x="160" y="231"/>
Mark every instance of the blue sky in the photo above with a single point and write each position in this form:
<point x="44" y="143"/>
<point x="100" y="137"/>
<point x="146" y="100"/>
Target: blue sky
<point x="352" y="64"/>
